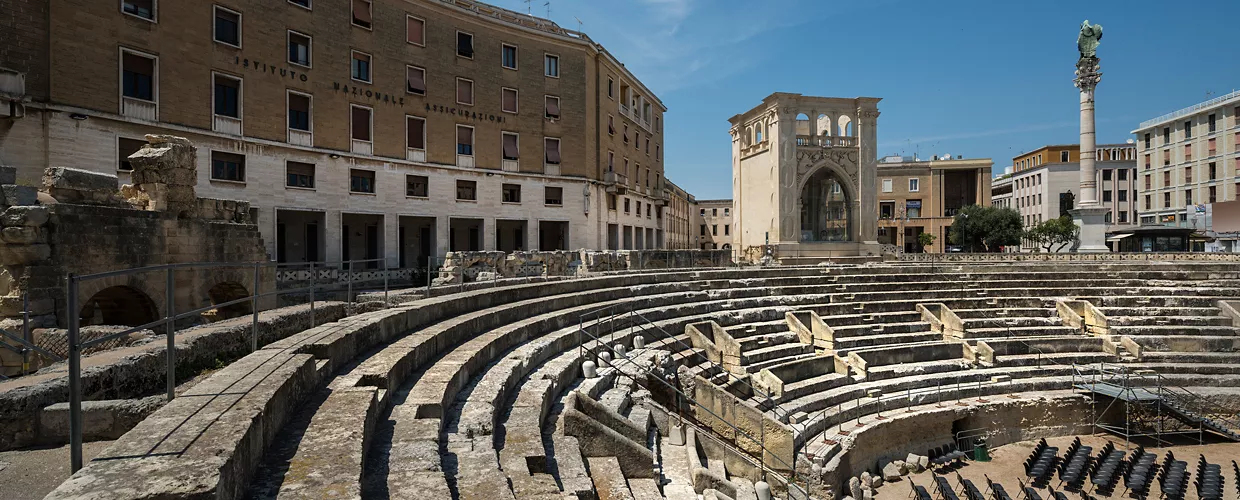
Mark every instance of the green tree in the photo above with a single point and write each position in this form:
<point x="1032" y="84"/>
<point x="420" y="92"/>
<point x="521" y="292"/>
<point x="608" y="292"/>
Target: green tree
<point x="1055" y="234"/>
<point x="986" y="228"/>
<point x="926" y="240"/>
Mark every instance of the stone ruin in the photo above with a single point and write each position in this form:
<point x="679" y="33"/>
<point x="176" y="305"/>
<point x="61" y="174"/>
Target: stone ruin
<point x="465" y="267"/>
<point x="79" y="222"/>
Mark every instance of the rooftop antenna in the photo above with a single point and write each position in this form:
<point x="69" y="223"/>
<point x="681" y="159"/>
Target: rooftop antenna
<point x="547" y="4"/>
<point x="527" y="7"/>
<point x="579" y="24"/>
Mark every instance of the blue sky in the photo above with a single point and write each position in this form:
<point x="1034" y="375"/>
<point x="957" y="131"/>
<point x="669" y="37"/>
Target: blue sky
<point x="979" y="78"/>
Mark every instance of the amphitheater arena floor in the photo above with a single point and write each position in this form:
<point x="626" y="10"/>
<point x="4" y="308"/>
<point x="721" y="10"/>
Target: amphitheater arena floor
<point x="32" y="473"/>
<point x="1005" y="467"/>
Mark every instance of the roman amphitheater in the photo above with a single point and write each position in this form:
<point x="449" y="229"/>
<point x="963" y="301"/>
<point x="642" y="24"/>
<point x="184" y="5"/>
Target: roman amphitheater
<point x="734" y="382"/>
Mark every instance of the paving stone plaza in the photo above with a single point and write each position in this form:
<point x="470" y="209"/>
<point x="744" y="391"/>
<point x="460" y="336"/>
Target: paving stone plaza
<point x="733" y="382"/>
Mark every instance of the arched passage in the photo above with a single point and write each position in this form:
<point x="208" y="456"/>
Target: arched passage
<point x="826" y="209"/>
<point x="225" y="292"/>
<point x="824" y="124"/>
<point x="845" y="126"/>
<point x="118" y="305"/>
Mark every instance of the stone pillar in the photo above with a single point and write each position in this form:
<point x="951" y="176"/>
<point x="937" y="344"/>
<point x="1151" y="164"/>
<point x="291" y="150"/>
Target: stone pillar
<point x="391" y="240"/>
<point x="442" y="233"/>
<point x="488" y="234"/>
<point x="164" y="172"/>
<point x="1089" y="215"/>
<point x="331" y="236"/>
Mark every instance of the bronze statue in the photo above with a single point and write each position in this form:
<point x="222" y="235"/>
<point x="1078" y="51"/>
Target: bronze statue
<point x="1087" y="41"/>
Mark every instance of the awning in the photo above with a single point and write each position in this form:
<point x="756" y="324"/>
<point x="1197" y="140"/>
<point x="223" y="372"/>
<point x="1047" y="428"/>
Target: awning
<point x="1119" y="237"/>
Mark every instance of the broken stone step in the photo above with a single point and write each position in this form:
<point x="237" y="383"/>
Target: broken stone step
<point x="609" y="482"/>
<point x="1001" y="378"/>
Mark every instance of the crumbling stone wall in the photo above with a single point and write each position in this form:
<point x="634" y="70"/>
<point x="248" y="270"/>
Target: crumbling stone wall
<point x="79" y="223"/>
<point x="467" y="267"/>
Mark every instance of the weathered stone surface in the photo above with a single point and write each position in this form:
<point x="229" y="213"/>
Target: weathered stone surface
<point x="854" y="487"/>
<point x="914" y="462"/>
<point x="78" y="180"/>
<point x="15" y="195"/>
<point x="329" y="456"/>
<point x="30" y="215"/>
<point x="893" y="471"/>
<point x="101" y="420"/>
<point x="23" y="235"/>
<point x="19" y="255"/>
<point x="8" y="175"/>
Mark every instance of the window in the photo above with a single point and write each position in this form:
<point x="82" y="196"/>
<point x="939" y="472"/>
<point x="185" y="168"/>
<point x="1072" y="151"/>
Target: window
<point x="1123" y="174"/>
<point x="1188" y="130"/>
<point x="553" y="107"/>
<point x="552" y="146"/>
<point x="361" y="181"/>
<point x="1188" y="174"/>
<point x="1166" y="157"/>
<point x="360" y="123"/>
<point x="1147" y="140"/>
<point x="298" y="111"/>
<point x="1213" y="171"/>
<point x="138" y="76"/>
<point x="914" y="185"/>
<point x="1123" y="216"/>
<point x="702" y="212"/>
<point x="714" y="229"/>
<point x="415" y="30"/>
<point x="508" y="100"/>
<point x="1147" y="202"/>
<point x="464" y="91"/>
<point x="611" y="202"/>
<point x="657" y="152"/>
<point x="1107" y="218"/>
<point x="416" y="186"/>
<point x="361" y="67"/>
<point x="1147" y="182"/>
<point x="1063" y="157"/>
<point x="611" y="161"/>
<point x="466" y="190"/>
<point x="465" y="45"/>
<point x="415" y="132"/>
<point x="1166" y="179"/>
<point x="1213" y="194"/>
<point x="886" y="185"/>
<point x="611" y="88"/>
<point x="299" y="175"/>
<point x="1167" y="200"/>
<point x="1106" y="196"/>
<point x="1188" y="197"/>
<point x="227" y="166"/>
<point x="300" y="3"/>
<point x="415" y="80"/>
<point x="551" y="64"/>
<point x="361" y="13"/>
<point x="126" y="148"/>
<point x="227" y="27"/>
<point x="626" y="205"/>
<point x="727" y="229"/>
<point x="626" y="133"/>
<point x="1147" y="161"/>
<point x="639" y="209"/>
<point x="511" y="193"/>
<point x="1106" y="174"/>
<point x="508" y="56"/>
<point x="510" y="145"/>
<point x="554" y="196"/>
<point x="227" y="96"/>
<point x="727" y="212"/>
<point x="1213" y="123"/>
<point x="703" y="233"/>
<point x="1211" y="147"/>
<point x="647" y="146"/>
<point x="464" y="140"/>
<point x="298" y="48"/>
<point x="144" y="9"/>
<point x="1188" y="152"/>
<point x="1166" y="135"/>
<point x="714" y="212"/>
<point x="611" y="125"/>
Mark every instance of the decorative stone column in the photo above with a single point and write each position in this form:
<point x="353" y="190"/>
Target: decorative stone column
<point x="1089" y="215"/>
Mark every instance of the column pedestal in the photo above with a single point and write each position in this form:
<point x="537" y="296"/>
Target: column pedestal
<point x="1093" y="235"/>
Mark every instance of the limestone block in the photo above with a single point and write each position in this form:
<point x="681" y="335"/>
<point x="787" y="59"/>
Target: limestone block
<point x="15" y="195"/>
<point x="16" y="255"/>
<point x="8" y="175"/>
<point x="77" y="179"/>
<point x="854" y="487"/>
<point x="913" y="463"/>
<point x="24" y="216"/>
<point x="23" y="235"/>
<point x="867" y="481"/>
<point x="893" y="471"/>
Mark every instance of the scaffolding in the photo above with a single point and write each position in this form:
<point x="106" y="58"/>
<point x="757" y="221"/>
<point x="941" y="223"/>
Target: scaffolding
<point x="1153" y="407"/>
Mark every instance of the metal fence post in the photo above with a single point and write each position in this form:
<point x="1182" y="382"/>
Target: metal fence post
<point x="348" y="297"/>
<point x="170" y="325"/>
<point x="75" y="377"/>
<point x="385" y="282"/>
<point x="312" y="283"/>
<point x="26" y="332"/>
<point x="430" y="261"/>
<point x="254" y="308"/>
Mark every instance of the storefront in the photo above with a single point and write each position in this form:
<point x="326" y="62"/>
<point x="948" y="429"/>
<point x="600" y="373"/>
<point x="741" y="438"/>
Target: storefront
<point x="1151" y="239"/>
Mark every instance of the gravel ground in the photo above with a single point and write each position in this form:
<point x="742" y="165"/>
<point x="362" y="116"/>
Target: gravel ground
<point x="1006" y="468"/>
<point x="32" y="473"/>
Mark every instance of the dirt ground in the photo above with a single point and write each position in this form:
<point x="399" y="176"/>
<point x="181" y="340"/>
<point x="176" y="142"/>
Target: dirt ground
<point x="1006" y="467"/>
<point x="32" y="473"/>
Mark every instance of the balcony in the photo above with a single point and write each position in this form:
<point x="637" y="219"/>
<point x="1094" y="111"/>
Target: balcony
<point x="140" y="109"/>
<point x="414" y="154"/>
<point x="226" y="125"/>
<point x="511" y="165"/>
<point x="300" y="137"/>
<point x="466" y="161"/>
<point x="551" y="168"/>
<point x="826" y="141"/>
<point x="363" y="147"/>
<point x="617" y="183"/>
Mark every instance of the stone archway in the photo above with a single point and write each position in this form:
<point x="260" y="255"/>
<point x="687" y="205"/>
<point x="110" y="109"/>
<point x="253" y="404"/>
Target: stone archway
<point x="827" y="211"/>
<point x="225" y="292"/>
<point x="118" y="305"/>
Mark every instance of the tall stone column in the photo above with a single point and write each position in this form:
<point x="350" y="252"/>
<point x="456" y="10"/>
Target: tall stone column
<point x="1089" y="215"/>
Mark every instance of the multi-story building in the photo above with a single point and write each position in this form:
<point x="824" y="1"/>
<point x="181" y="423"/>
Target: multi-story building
<point x="714" y="223"/>
<point x="1045" y="183"/>
<point x="922" y="196"/>
<point x="398" y="129"/>
<point x="678" y="224"/>
<point x="1187" y="159"/>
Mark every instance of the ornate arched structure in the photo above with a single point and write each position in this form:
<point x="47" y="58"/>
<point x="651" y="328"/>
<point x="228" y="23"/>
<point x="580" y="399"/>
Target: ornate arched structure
<point x="810" y="183"/>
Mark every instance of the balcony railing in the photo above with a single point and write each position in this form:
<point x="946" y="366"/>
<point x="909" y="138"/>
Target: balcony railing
<point x="511" y="166"/>
<point x="616" y="182"/>
<point x="227" y="125"/>
<point x="363" y="147"/>
<point x="300" y="137"/>
<point x="414" y="154"/>
<point x="140" y="109"/>
<point x="551" y="168"/>
<point x="466" y="161"/>
<point x="826" y="141"/>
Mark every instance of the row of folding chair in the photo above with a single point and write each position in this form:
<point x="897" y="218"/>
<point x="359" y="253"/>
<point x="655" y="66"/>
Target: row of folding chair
<point x="1041" y="463"/>
<point x="1078" y="461"/>
<point x="1209" y="480"/>
<point x="1141" y="469"/>
<point x="944" y="455"/>
<point x="1108" y="468"/>
<point x="1173" y="478"/>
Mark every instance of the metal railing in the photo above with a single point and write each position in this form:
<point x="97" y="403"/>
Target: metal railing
<point x="24" y="344"/>
<point x="1189" y="110"/>
<point x="342" y="276"/>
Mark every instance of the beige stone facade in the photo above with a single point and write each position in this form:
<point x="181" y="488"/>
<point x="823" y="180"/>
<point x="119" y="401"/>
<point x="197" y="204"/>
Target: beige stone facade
<point x="358" y="129"/>
<point x="714" y="224"/>
<point x="919" y="196"/>
<point x="1188" y="159"/>
<point x="679" y="223"/>
<point x="803" y="174"/>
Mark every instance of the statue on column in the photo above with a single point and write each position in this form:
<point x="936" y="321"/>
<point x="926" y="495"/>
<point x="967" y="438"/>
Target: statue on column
<point x="1087" y="67"/>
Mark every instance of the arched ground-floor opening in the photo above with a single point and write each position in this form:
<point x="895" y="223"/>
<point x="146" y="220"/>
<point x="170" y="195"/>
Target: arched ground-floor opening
<point x="118" y="305"/>
<point x="225" y="292"/>
<point x="826" y="209"/>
